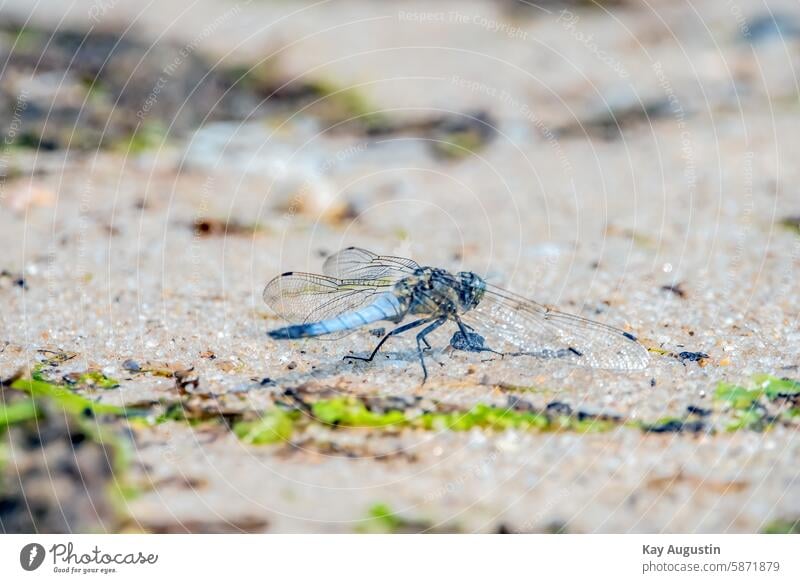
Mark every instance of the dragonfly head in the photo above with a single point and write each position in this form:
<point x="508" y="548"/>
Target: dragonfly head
<point x="471" y="289"/>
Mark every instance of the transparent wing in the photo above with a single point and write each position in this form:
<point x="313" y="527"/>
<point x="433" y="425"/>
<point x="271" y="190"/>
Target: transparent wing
<point x="301" y="298"/>
<point x="512" y="324"/>
<point x="357" y="263"/>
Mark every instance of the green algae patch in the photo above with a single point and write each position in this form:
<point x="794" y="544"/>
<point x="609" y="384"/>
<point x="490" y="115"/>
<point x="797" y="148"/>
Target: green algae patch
<point x="347" y="103"/>
<point x="791" y="414"/>
<point x="747" y="412"/>
<point x="753" y="417"/>
<point x="274" y="426"/>
<point x="484" y="417"/>
<point x="37" y="373"/>
<point x="748" y="408"/>
<point x="89" y="379"/>
<point x="664" y="425"/>
<point x="775" y="388"/>
<point x="173" y="412"/>
<point x="765" y="385"/>
<point x="736" y="396"/>
<point x="755" y="408"/>
<point x="47" y="402"/>
<point x="145" y="137"/>
<point x="67" y="400"/>
<point x="791" y="224"/>
<point x="19" y="412"/>
<point x="381" y="519"/>
<point x="354" y="413"/>
<point x="782" y="527"/>
<point x="459" y="145"/>
<point x="587" y="425"/>
<point x="92" y="379"/>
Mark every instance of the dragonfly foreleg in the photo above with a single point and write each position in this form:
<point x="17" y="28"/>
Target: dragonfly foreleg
<point x="398" y="330"/>
<point x="421" y="339"/>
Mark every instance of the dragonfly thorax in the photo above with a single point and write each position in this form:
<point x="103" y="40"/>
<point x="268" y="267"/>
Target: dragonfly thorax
<point x="438" y="292"/>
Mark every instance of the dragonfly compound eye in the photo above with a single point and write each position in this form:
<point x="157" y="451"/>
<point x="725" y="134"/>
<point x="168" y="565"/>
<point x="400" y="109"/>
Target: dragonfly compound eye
<point x="471" y="289"/>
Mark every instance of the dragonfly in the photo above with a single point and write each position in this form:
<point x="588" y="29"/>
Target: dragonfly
<point x="359" y="288"/>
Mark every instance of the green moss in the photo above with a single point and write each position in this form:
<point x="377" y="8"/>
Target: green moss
<point x="590" y="425"/>
<point x="177" y="412"/>
<point x="791" y="224"/>
<point x="381" y="519"/>
<point x="350" y="100"/>
<point x="459" y="145"/>
<point x="26" y="39"/>
<point x="88" y="379"/>
<point x="77" y="408"/>
<point x="18" y="412"/>
<point x="263" y="77"/>
<point x="354" y="413"/>
<point x="351" y="412"/>
<point x="791" y="414"/>
<point x="745" y="401"/>
<point x="173" y="412"/>
<point x="347" y="103"/>
<point x="37" y="373"/>
<point x="96" y="379"/>
<point x="146" y="137"/>
<point x="274" y="426"/>
<point x="746" y="412"/>
<point x="121" y="489"/>
<point x="662" y="424"/>
<point x="738" y="397"/>
<point x="749" y="418"/>
<point x="773" y="387"/>
<point x="483" y="416"/>
<point x="96" y="91"/>
<point x="67" y="400"/>
<point x="782" y="527"/>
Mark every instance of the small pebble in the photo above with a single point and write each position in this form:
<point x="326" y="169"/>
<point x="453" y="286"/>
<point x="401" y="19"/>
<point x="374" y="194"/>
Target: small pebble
<point x="131" y="365"/>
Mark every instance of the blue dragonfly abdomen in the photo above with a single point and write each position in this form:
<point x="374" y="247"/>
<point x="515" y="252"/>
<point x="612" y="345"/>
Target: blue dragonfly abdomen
<point x="385" y="306"/>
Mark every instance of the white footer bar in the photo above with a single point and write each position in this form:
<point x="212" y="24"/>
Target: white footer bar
<point x="400" y="558"/>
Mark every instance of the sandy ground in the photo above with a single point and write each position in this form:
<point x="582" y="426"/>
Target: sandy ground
<point x="636" y="169"/>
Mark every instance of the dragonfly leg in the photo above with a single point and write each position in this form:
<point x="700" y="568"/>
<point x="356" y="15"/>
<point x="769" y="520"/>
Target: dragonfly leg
<point x="421" y="339"/>
<point x="426" y="343"/>
<point x="398" y="330"/>
<point x="464" y="327"/>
